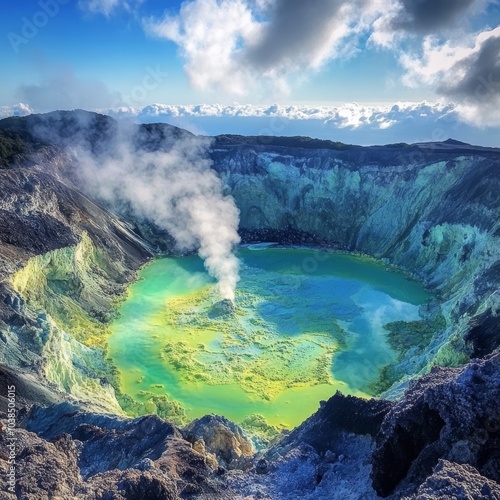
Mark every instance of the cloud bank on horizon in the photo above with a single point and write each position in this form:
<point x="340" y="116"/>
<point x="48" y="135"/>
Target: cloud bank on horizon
<point x="353" y="123"/>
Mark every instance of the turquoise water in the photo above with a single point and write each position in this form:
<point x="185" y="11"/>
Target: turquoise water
<point x="306" y="323"/>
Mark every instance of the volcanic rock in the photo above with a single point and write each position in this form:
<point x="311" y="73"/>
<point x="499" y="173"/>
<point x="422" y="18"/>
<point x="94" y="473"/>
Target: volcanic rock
<point x="224" y="307"/>
<point x="452" y="414"/>
<point x="452" y="480"/>
<point x="430" y="209"/>
<point x="82" y="455"/>
<point x="227" y="441"/>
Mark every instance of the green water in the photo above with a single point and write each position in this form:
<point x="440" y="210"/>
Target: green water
<point x="306" y="323"/>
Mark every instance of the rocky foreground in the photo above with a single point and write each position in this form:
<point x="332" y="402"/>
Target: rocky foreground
<point x="441" y="441"/>
<point x="66" y="260"/>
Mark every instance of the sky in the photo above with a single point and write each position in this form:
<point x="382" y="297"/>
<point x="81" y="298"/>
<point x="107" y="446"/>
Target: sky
<point x="360" y="71"/>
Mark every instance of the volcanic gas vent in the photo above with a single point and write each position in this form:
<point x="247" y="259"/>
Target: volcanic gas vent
<point x="224" y="307"/>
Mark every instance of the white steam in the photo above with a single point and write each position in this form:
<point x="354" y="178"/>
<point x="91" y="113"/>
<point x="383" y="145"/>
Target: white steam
<point x="179" y="192"/>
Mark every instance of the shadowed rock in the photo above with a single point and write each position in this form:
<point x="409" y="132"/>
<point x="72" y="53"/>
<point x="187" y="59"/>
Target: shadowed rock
<point x="450" y="413"/>
<point x="339" y="414"/>
<point x="82" y="455"/>
<point x="452" y="480"/>
<point x="224" y="307"/>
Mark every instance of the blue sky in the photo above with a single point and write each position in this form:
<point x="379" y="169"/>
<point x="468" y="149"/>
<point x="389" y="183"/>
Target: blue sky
<point x="128" y="54"/>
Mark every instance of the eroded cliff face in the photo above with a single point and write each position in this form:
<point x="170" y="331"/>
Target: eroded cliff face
<point x="64" y="263"/>
<point x="432" y="212"/>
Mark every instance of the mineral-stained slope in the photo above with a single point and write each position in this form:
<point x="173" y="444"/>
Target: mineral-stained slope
<point x="65" y="261"/>
<point x="70" y="260"/>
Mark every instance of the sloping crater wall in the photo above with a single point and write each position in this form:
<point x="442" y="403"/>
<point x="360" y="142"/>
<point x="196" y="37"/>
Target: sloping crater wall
<point x="432" y="213"/>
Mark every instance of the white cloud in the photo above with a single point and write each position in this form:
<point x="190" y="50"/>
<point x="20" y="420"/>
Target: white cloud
<point x="354" y="123"/>
<point x="245" y="46"/>
<point x="349" y="115"/>
<point x="209" y="34"/>
<point x="261" y="48"/>
<point x="106" y="7"/>
<point x="20" y="109"/>
<point x="468" y="72"/>
<point x="435" y="62"/>
<point x="401" y="19"/>
<point x="351" y="123"/>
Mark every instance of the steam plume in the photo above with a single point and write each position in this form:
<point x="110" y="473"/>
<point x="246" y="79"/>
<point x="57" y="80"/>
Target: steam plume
<point x="178" y="190"/>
